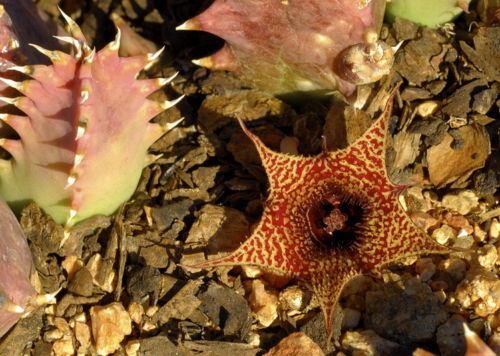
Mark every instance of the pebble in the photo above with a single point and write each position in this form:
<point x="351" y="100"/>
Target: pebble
<point x="71" y="265"/>
<point x="52" y="335"/>
<point x="102" y="272"/>
<point x="481" y="291"/>
<point x="406" y="311"/>
<point x="292" y="298"/>
<point x="427" y="108"/>
<point x="262" y="301"/>
<point x="357" y="285"/>
<point x="455" y="267"/>
<point x="110" y="324"/>
<point x="463" y="202"/>
<point x="296" y="344"/>
<point x="444" y="233"/>
<point x="426" y="268"/>
<point x="63" y="347"/>
<point x="132" y="348"/>
<point x="424" y="221"/>
<point x="494" y="231"/>
<point x="351" y="318"/>
<point x="250" y="271"/>
<point x="464" y="241"/>
<point x="83" y="335"/>
<point x="487" y="256"/>
<point x="479" y="234"/>
<point x="368" y="343"/>
<point x="450" y="337"/>
<point x="136" y="312"/>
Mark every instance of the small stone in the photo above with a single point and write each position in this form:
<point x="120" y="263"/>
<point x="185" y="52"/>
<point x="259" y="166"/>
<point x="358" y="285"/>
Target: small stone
<point x="494" y="231"/>
<point x="52" y="335"/>
<point x="458" y="222"/>
<point x="426" y="268"/>
<point x="102" y="272"/>
<point x="214" y="224"/>
<point x="63" y="347"/>
<point x="132" y="347"/>
<point x="82" y="283"/>
<point x="464" y="241"/>
<point x="262" y="301"/>
<point x="71" y="264"/>
<point x="483" y="101"/>
<point x="226" y="309"/>
<point x="136" y="312"/>
<point x="151" y="311"/>
<point x="423" y="220"/>
<point x="83" y="334"/>
<point x="350" y="319"/>
<point x="110" y="324"/>
<point x="357" y="285"/>
<point x="292" y="298"/>
<point x="450" y="338"/>
<point x="250" y="271"/>
<point x="443" y="234"/>
<point x="155" y="256"/>
<point x="487" y="256"/>
<point x="427" y="108"/>
<point x="406" y="311"/>
<point x="296" y="344"/>
<point x="181" y="305"/>
<point x="463" y="202"/>
<point x="481" y="291"/>
<point x="253" y="339"/>
<point x="479" y="234"/>
<point x="368" y="343"/>
<point x="455" y="267"/>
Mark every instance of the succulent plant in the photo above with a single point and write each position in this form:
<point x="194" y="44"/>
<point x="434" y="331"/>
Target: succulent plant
<point x="84" y="130"/>
<point x="430" y="13"/>
<point x="298" y="46"/>
<point x="17" y="295"/>
<point x="330" y="218"/>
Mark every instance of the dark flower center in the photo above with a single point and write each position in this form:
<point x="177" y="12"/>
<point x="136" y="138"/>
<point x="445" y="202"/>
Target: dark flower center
<point x="333" y="220"/>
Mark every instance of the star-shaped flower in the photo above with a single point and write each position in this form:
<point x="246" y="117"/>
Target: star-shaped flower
<point x="330" y="217"/>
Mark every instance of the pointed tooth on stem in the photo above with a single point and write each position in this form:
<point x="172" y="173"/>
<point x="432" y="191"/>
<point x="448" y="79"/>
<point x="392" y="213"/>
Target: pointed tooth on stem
<point x="204" y="62"/>
<point x="73" y="27"/>
<point x="169" y="126"/>
<point x="12" y="307"/>
<point x="44" y="299"/>
<point x="12" y="83"/>
<point x="115" y="44"/>
<point x="66" y="235"/>
<point x="80" y="131"/>
<point x="151" y="158"/>
<point x="164" y="81"/>
<point x="89" y="58"/>
<point x="397" y="47"/>
<point x="22" y="69"/>
<point x="71" y="180"/>
<point x="12" y="101"/>
<point x="72" y="214"/>
<point x="84" y="95"/>
<point x="153" y="57"/>
<point x="74" y="42"/>
<point x="189" y="25"/>
<point x="53" y="55"/>
<point x="78" y="159"/>
<point x="167" y="104"/>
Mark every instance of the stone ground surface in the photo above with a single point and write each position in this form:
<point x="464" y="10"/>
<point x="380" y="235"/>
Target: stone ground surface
<point x="123" y="289"/>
